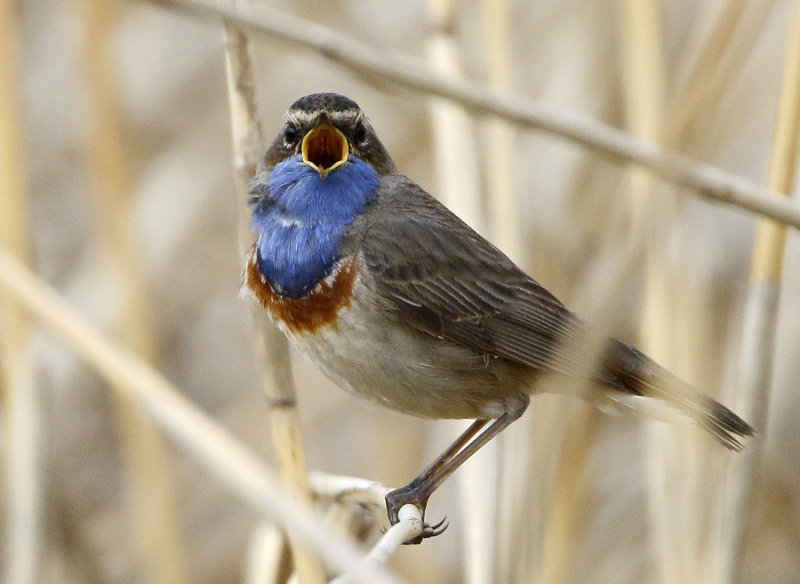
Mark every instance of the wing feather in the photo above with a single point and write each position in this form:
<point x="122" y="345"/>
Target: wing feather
<point x="443" y="278"/>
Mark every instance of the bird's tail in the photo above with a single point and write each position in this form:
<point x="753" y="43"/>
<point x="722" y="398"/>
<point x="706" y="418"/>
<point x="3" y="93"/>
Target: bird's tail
<point x="634" y="374"/>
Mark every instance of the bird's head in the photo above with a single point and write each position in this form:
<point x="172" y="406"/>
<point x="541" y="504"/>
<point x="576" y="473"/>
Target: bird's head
<point x="326" y="129"/>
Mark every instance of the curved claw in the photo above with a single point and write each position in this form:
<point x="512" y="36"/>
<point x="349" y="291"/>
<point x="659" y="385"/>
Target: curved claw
<point x="438" y="525"/>
<point x="434" y="530"/>
<point x="429" y="531"/>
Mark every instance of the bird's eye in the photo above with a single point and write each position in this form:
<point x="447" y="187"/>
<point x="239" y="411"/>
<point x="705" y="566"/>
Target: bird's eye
<point x="290" y="134"/>
<point x="360" y="133"/>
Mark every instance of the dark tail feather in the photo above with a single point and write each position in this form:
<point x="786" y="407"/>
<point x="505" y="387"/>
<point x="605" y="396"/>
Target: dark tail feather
<point x="631" y="371"/>
<point x="724" y="424"/>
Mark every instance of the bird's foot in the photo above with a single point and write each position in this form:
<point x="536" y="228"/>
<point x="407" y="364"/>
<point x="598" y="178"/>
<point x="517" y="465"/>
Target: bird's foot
<point x="416" y="494"/>
<point x="430" y="531"/>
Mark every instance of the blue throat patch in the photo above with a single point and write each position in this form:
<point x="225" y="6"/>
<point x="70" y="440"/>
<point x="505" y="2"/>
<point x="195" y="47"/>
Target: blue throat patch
<point x="301" y="218"/>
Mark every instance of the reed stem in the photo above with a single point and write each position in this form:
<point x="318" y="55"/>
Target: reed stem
<point x="21" y="409"/>
<point x="272" y="349"/>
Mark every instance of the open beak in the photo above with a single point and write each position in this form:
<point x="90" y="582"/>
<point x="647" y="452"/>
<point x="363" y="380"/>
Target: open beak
<point x="324" y="148"/>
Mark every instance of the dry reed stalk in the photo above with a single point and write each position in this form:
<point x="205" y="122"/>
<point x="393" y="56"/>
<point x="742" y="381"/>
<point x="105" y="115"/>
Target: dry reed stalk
<point x="22" y="414"/>
<point x="272" y="349"/>
<point x="13" y="167"/>
<point x="544" y="483"/>
<point x="344" y="488"/>
<point x="567" y="502"/>
<point x="148" y="470"/>
<point x="722" y="38"/>
<point x="542" y="475"/>
<point x="267" y="556"/>
<point x="644" y="87"/>
<point x="760" y="320"/>
<point x="652" y="217"/>
<point x="453" y="130"/>
<point x="499" y="149"/>
<point x="562" y="450"/>
<point x="697" y="177"/>
<point x="201" y="437"/>
<point x="458" y="187"/>
<point x="503" y="228"/>
<point x="572" y="441"/>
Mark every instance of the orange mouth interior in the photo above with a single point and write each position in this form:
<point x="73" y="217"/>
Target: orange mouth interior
<point x="325" y="148"/>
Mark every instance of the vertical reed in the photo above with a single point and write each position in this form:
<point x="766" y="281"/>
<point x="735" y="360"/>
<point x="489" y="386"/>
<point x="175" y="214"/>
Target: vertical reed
<point x="272" y="349"/>
<point x="721" y="39"/>
<point x="21" y="411"/>
<point x="503" y="212"/>
<point x="643" y="90"/>
<point x="761" y="318"/>
<point x="457" y="166"/>
<point x="501" y="217"/>
<point x="148" y="470"/>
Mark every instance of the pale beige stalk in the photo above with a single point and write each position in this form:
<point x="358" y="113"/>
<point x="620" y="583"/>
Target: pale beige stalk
<point x="21" y="411"/>
<point x="149" y="490"/>
<point x="497" y="154"/>
<point x="651" y="223"/>
<point x="722" y="38"/>
<point x="267" y="556"/>
<point x="567" y="503"/>
<point x="452" y="128"/>
<point x="272" y="349"/>
<point x="760" y="321"/>
<point x="498" y="151"/>
<point x="644" y="96"/>
<point x="458" y="169"/>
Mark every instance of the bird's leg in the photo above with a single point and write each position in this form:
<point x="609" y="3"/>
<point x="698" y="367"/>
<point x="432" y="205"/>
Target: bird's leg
<point x="452" y="450"/>
<point x="415" y="491"/>
<point x="420" y="489"/>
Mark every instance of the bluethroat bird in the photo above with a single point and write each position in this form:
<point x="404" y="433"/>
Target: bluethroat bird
<point x="398" y="301"/>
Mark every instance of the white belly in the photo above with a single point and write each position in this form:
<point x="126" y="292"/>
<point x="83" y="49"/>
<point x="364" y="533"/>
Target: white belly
<point x="374" y="356"/>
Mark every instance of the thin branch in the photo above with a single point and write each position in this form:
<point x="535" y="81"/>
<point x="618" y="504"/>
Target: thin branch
<point x="344" y="488"/>
<point x="209" y="443"/>
<point x="708" y="181"/>
<point x="409" y="527"/>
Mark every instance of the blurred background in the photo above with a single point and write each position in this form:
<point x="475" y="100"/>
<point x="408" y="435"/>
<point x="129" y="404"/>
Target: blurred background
<point x="120" y="115"/>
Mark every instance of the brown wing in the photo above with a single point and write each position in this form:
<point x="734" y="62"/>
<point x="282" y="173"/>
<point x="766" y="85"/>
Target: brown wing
<point x="448" y="281"/>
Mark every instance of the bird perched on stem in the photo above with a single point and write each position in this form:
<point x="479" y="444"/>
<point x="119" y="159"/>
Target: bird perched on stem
<point x="398" y="301"/>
